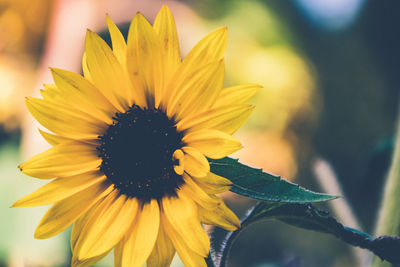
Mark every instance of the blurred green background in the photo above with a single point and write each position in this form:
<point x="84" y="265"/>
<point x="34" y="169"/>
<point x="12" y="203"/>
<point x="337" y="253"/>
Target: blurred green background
<point x="324" y="119"/>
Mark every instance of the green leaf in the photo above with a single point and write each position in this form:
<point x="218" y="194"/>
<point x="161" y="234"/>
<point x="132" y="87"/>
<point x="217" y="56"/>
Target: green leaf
<point x="255" y="183"/>
<point x="308" y="217"/>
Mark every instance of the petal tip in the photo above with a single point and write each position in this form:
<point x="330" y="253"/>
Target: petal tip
<point x="236" y="226"/>
<point x="38" y="235"/>
<point x="30" y="102"/>
<point x="108" y="20"/>
<point x="138" y="16"/>
<point x="89" y="34"/>
<point x="54" y="71"/>
<point x="165" y="8"/>
<point x="222" y="30"/>
<point x="19" y="203"/>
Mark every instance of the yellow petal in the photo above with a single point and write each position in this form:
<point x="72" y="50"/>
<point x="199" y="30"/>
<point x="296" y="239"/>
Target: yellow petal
<point x="187" y="255"/>
<point x="85" y="69"/>
<point x="60" y="189"/>
<point x="65" y="212"/>
<point x="51" y="87"/>
<point x="87" y="262"/>
<point x="53" y="139"/>
<point x="213" y="184"/>
<point x="106" y="225"/>
<point x="210" y="49"/>
<point x="107" y="72"/>
<point x="80" y="223"/>
<point x="118" y="41"/>
<point x="164" y="26"/>
<point x="179" y="157"/>
<point x="64" y="120"/>
<point x="212" y="143"/>
<point x="195" y="163"/>
<point x="226" y="119"/>
<point x="82" y="95"/>
<point x="50" y="91"/>
<point x="235" y="95"/>
<point x="163" y="251"/>
<point x="145" y="59"/>
<point x="195" y="92"/>
<point x="66" y="159"/>
<point x="219" y="215"/>
<point x="199" y="196"/>
<point x="181" y="213"/>
<point x="138" y="244"/>
<point x="118" y="254"/>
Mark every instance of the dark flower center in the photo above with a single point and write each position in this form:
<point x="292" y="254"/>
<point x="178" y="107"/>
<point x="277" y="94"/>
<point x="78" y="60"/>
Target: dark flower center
<point x="136" y="152"/>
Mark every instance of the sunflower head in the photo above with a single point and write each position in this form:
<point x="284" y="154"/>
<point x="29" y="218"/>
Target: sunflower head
<point x="139" y="154"/>
<point x="130" y="145"/>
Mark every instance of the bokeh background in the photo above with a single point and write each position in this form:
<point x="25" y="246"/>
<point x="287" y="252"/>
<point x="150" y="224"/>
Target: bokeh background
<point x="325" y="118"/>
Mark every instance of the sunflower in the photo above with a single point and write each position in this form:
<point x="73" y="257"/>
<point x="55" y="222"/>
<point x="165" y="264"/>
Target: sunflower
<point x="130" y="145"/>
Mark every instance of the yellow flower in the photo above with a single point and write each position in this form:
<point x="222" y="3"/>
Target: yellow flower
<point x="130" y="141"/>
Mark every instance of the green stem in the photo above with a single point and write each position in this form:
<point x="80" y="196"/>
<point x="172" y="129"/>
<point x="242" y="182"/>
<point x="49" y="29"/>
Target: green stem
<point x="389" y="217"/>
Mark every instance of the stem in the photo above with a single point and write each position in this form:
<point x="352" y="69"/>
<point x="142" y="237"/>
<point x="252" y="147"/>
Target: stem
<point x="222" y="260"/>
<point x="389" y="217"/>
